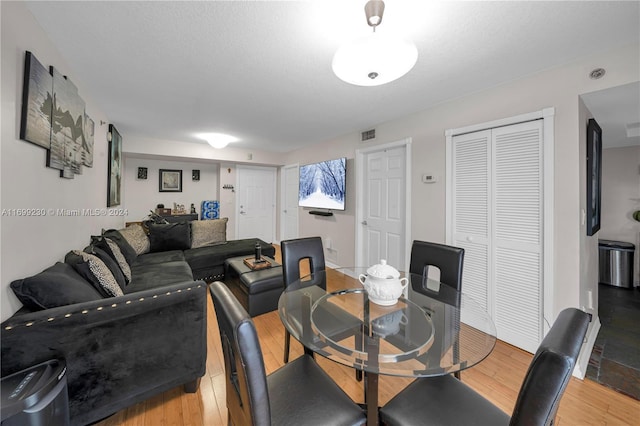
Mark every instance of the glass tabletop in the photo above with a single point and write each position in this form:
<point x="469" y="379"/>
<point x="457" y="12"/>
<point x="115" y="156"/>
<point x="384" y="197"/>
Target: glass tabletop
<point x="432" y="329"/>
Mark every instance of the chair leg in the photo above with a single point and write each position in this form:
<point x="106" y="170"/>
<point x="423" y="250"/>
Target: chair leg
<point x="287" y="341"/>
<point x="457" y="375"/>
<point x="359" y="375"/>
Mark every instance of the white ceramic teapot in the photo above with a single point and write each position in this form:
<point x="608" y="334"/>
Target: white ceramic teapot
<point x="383" y="283"/>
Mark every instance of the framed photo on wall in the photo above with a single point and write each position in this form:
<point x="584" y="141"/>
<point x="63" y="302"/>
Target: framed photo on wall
<point x="594" y="176"/>
<point x="170" y="180"/>
<point x="114" y="175"/>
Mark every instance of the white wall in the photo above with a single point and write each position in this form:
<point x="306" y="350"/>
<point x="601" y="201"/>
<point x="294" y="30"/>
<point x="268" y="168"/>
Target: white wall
<point x="559" y="88"/>
<point x="142" y="195"/>
<point x="621" y="197"/>
<point x="30" y="244"/>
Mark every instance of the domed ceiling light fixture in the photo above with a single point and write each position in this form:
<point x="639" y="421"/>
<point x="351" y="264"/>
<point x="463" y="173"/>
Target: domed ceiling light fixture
<point x="217" y="140"/>
<point x="374" y="59"/>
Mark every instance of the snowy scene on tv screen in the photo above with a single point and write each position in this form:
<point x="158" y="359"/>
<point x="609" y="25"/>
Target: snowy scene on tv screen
<point x="322" y="185"/>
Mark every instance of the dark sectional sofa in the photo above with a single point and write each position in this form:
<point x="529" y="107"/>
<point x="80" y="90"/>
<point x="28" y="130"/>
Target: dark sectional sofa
<point x="120" y="350"/>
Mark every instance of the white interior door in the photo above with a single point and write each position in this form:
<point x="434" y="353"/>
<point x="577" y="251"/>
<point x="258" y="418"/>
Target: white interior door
<point x="289" y="213"/>
<point x="256" y="206"/>
<point x="384" y="206"/>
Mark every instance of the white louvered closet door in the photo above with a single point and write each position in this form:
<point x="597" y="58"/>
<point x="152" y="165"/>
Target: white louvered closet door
<point x="497" y="219"/>
<point x="471" y="229"/>
<point x="517" y="237"/>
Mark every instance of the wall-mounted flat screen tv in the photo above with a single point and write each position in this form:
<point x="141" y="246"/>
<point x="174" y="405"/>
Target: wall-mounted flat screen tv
<point x="322" y="185"/>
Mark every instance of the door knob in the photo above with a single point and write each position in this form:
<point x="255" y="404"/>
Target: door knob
<point x="364" y="222"/>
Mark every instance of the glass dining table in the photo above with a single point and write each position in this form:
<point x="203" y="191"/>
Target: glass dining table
<point x="432" y="330"/>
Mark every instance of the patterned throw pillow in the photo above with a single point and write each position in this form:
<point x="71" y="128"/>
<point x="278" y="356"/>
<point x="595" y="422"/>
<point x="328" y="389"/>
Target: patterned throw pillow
<point x="137" y="238"/>
<point x="119" y="257"/>
<point x="94" y="270"/>
<point x="208" y="232"/>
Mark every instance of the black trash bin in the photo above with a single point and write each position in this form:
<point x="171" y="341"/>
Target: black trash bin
<point x="36" y="396"/>
<point x="616" y="263"/>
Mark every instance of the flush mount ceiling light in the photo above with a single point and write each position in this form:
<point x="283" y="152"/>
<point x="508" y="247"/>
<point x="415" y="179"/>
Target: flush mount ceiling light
<point x="376" y="58"/>
<point x="217" y="140"/>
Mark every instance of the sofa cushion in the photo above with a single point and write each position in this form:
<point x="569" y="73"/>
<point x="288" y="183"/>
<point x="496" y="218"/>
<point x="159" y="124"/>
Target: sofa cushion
<point x="169" y="236"/>
<point x="159" y="257"/>
<point x="58" y="285"/>
<point x="147" y="276"/>
<point x="95" y="271"/>
<point x="110" y="263"/>
<point x="137" y="238"/>
<point x="127" y="251"/>
<point x="209" y="256"/>
<point x="207" y="232"/>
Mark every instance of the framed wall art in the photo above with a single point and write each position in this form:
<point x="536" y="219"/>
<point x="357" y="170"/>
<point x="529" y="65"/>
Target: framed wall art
<point x="142" y="173"/>
<point x="170" y="180"/>
<point x="37" y="102"/>
<point x="594" y="176"/>
<point x="114" y="175"/>
<point x="195" y="175"/>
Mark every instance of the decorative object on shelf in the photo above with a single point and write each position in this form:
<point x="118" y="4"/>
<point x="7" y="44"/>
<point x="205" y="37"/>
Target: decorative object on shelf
<point x="195" y="175"/>
<point x="383" y="284"/>
<point x="193" y="209"/>
<point x="170" y="180"/>
<point x="142" y="173"/>
<point x="210" y="209"/>
<point x="594" y="176"/>
<point x="376" y="58"/>
<point x="114" y="174"/>
<point x="53" y="116"/>
<point x="178" y="209"/>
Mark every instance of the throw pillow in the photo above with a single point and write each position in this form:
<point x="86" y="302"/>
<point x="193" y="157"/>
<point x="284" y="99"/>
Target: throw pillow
<point x="208" y="232"/>
<point x="109" y="262"/>
<point x="137" y="238"/>
<point x="170" y="236"/>
<point x="95" y="271"/>
<point x="127" y="251"/>
<point x="113" y="250"/>
<point x="58" y="285"/>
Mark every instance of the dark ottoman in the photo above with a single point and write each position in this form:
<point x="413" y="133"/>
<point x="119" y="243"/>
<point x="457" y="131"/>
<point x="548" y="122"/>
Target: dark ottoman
<point x="258" y="291"/>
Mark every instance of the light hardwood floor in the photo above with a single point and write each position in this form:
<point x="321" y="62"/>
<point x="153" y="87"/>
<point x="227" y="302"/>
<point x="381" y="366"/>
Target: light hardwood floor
<point x="498" y="378"/>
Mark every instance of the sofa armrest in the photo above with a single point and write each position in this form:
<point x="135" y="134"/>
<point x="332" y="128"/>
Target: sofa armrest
<point x="118" y="351"/>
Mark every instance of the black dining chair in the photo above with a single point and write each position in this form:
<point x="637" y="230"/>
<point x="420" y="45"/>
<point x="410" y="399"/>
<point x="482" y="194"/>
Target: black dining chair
<point x="299" y="393"/>
<point x="449" y="260"/>
<point x="447" y="401"/>
<point x="293" y="252"/>
<point x="310" y="250"/>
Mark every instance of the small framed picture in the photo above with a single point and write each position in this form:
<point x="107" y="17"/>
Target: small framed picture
<point x="170" y="180"/>
<point x="142" y="173"/>
<point x="195" y="175"/>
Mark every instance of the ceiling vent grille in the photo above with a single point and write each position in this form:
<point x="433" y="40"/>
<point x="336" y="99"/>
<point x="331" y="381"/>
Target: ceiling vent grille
<point x="368" y="134"/>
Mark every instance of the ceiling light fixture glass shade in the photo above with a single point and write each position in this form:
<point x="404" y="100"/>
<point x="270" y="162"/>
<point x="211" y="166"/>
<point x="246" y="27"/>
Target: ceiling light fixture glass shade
<point x="217" y="140"/>
<point x="374" y="59"/>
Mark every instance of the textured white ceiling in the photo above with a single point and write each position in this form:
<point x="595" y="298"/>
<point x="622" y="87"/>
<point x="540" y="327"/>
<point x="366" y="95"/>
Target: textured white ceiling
<point x="261" y="70"/>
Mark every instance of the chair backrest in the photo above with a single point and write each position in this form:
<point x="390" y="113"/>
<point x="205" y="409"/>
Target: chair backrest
<point x="550" y="370"/>
<point x="293" y="251"/>
<point x="247" y="392"/>
<point x="448" y="259"/>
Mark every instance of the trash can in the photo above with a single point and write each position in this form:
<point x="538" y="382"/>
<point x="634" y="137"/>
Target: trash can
<point x="616" y="263"/>
<point x="36" y="396"/>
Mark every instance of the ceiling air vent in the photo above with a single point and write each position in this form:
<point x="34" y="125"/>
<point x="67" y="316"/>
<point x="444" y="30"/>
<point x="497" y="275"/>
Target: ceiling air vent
<point x="368" y="134"/>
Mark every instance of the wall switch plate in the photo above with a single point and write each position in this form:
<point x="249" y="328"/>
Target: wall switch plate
<point x="428" y="178"/>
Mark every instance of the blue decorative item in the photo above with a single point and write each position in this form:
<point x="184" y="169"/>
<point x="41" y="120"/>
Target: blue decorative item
<point x="210" y="210"/>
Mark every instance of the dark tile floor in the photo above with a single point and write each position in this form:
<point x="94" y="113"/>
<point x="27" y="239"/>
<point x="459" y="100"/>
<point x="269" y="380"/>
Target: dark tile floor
<point x="615" y="360"/>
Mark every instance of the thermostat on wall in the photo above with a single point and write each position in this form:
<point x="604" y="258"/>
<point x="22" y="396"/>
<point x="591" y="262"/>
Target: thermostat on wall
<point x="428" y="178"/>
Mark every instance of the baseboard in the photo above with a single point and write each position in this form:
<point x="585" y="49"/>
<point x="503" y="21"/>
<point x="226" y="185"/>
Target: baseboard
<point x="583" y="359"/>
